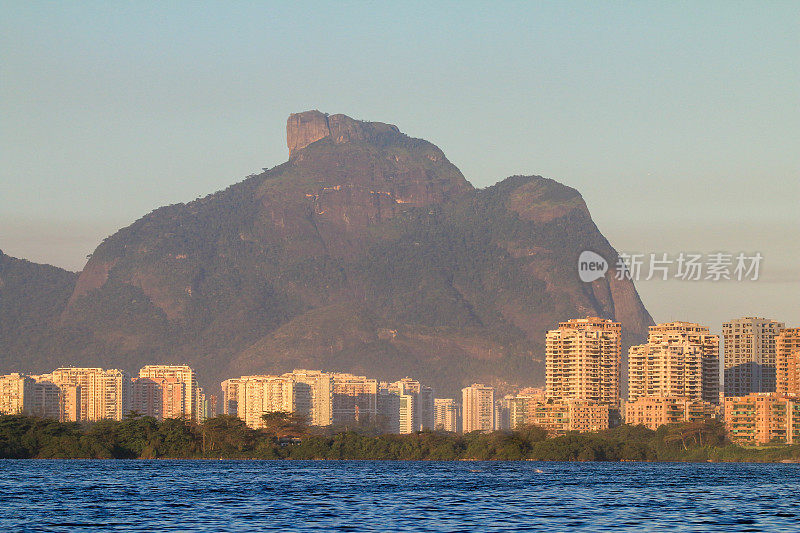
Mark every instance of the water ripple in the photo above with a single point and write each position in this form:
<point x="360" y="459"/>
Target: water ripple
<point x="378" y="496"/>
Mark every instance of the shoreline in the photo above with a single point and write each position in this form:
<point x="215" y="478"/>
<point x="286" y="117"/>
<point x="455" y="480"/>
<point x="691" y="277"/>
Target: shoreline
<point x="228" y="438"/>
<point x="324" y="460"/>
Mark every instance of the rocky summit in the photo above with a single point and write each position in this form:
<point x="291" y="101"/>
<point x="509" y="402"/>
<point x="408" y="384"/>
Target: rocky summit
<point x="367" y="251"/>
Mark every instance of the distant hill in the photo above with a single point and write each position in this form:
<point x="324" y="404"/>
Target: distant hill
<point x="367" y="251"/>
<point x="32" y="298"/>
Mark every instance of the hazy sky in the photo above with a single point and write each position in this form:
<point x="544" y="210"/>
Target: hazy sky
<point x="678" y="122"/>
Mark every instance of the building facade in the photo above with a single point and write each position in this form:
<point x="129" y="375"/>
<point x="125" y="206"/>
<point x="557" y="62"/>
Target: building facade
<point x="16" y="394"/>
<point x="656" y="411"/>
<point x="180" y="391"/>
<point x="90" y="394"/>
<point x="477" y="405"/>
<point x="582" y="361"/>
<point x="251" y="397"/>
<point x="355" y="399"/>
<point x="750" y="355"/>
<point x="308" y="393"/>
<point x="679" y="359"/>
<point x="787" y="361"/>
<point x="317" y="404"/>
<point x="561" y="416"/>
<point x="763" y="418"/>
<point x="447" y="415"/>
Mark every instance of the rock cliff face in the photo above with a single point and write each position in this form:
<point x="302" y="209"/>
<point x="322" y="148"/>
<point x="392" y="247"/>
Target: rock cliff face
<point x="307" y="127"/>
<point x="367" y="251"/>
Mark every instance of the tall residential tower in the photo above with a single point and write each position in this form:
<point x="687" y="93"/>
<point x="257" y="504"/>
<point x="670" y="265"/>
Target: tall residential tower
<point x="477" y="407"/>
<point x="680" y="359"/>
<point x="750" y="355"/>
<point x="582" y="361"/>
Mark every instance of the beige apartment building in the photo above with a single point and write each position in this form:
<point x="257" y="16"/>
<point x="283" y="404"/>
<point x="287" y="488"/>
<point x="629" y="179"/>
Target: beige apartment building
<point x="250" y="397"/>
<point x="763" y="418"/>
<point x="477" y="405"/>
<point x="582" y="361"/>
<point x="750" y="355"/>
<point x="74" y="394"/>
<point x="179" y="389"/>
<point x="324" y="398"/>
<point x="656" y="411"/>
<point x="317" y="406"/>
<point x="787" y="361"/>
<point x="270" y="394"/>
<point x="23" y="394"/>
<point x="16" y="394"/>
<point x="355" y="399"/>
<point x="679" y="359"/>
<point x="561" y="416"/>
<point x="90" y="394"/>
<point x="69" y="402"/>
<point x="447" y="415"/>
<point x="513" y="410"/>
<point x="308" y="393"/>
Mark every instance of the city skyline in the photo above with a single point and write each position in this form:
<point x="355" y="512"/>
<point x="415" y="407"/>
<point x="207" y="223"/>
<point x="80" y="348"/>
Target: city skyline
<point x="674" y="378"/>
<point x="105" y="125"/>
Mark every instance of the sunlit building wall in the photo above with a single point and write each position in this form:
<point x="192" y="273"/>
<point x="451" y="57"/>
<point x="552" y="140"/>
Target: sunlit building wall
<point x="582" y="361"/>
<point x="750" y="355"/>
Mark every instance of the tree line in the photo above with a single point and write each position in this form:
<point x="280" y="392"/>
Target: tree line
<point x="286" y="436"/>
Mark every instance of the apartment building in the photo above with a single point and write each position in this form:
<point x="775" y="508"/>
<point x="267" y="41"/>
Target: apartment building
<point x="180" y="391"/>
<point x="250" y="397"/>
<point x="656" y="411"/>
<point x="787" y="361"/>
<point x="582" y="361"/>
<point x="308" y="393"/>
<point x="16" y="394"/>
<point x="477" y="405"/>
<point x="317" y="405"/>
<point x="90" y="394"/>
<point x="679" y="359"/>
<point x="355" y="399"/>
<point x="561" y="416"/>
<point x="763" y="418"/>
<point x="388" y="409"/>
<point x="146" y="398"/>
<point x="447" y="415"/>
<point x="750" y="355"/>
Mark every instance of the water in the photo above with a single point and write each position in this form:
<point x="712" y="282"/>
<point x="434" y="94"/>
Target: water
<point x="403" y="496"/>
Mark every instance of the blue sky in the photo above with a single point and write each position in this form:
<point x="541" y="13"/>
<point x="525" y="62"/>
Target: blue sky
<point x="678" y="122"/>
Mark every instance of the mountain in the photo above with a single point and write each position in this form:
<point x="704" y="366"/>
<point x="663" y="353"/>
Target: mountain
<point x="32" y="297"/>
<point x="367" y="251"/>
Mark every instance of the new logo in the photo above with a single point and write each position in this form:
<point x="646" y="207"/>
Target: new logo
<point x="591" y="266"/>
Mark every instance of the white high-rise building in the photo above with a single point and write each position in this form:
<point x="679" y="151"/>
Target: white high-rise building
<point x="416" y="405"/>
<point x="477" y="405"/>
<point x="447" y="415"/>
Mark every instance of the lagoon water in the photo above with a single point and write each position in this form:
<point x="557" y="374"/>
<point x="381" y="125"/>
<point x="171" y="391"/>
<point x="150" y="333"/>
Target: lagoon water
<point x="400" y="496"/>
